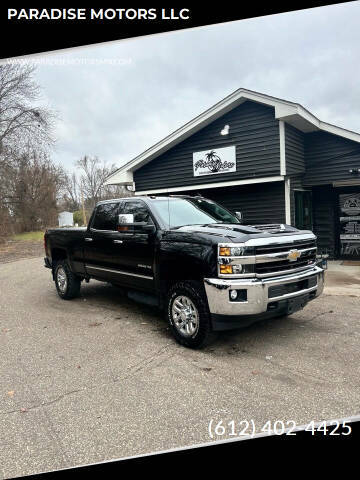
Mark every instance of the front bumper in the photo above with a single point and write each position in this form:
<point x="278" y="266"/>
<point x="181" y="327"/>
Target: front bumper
<point x="264" y="297"/>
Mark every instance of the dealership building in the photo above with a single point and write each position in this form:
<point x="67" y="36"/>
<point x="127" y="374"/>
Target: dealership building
<point x="269" y="158"/>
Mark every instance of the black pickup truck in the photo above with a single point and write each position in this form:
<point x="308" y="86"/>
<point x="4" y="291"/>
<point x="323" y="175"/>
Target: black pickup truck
<point x="191" y="257"/>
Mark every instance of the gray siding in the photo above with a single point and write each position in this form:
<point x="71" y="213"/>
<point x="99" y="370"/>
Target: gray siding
<point x="253" y="129"/>
<point x="262" y="203"/>
<point x="294" y="150"/>
<point x="328" y="158"/>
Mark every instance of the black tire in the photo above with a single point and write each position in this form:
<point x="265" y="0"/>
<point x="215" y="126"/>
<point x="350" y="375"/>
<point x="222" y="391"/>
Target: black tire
<point x="67" y="283"/>
<point x="200" y="333"/>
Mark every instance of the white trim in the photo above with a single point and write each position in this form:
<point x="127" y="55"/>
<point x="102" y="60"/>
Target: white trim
<point x="121" y="177"/>
<point x="248" y="181"/>
<point x="120" y="272"/>
<point x="342" y="132"/>
<point x="284" y="110"/>
<point x="282" y="147"/>
<point x="347" y="183"/>
<point x="287" y="201"/>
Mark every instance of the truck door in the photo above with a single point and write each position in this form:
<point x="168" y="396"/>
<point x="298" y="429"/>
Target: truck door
<point x="99" y="239"/>
<point x="136" y="248"/>
<point x="123" y="257"/>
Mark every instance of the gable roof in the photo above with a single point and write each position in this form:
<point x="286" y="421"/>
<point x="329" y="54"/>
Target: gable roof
<point x="290" y="112"/>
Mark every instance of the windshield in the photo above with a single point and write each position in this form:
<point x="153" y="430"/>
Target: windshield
<point x="177" y="212"/>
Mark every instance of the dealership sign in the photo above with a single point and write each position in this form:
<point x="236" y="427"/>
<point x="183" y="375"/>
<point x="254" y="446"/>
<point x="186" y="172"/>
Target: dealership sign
<point x="209" y="162"/>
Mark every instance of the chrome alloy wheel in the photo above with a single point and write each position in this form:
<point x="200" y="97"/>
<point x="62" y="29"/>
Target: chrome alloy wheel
<point x="185" y="316"/>
<point x="61" y="279"/>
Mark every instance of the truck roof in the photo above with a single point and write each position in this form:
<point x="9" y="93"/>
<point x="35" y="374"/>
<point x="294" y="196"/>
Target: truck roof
<point x="147" y="197"/>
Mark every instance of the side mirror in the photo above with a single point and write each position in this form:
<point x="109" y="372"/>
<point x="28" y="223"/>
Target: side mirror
<point x="126" y="224"/>
<point x="126" y="219"/>
<point x="239" y="216"/>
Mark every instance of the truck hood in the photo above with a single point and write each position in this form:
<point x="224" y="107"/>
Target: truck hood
<point x="239" y="233"/>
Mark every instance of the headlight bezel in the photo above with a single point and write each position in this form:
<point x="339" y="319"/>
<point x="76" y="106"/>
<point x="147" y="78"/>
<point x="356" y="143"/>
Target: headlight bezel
<point x="236" y="250"/>
<point x="235" y="260"/>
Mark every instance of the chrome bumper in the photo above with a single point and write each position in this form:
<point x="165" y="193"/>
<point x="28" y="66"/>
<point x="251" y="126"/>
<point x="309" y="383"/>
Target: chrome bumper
<point x="217" y="291"/>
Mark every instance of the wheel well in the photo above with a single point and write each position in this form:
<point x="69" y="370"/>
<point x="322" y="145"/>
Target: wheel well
<point x="176" y="272"/>
<point x="180" y="273"/>
<point x="58" y="254"/>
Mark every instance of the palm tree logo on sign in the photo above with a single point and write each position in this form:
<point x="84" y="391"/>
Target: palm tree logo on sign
<point x="211" y="161"/>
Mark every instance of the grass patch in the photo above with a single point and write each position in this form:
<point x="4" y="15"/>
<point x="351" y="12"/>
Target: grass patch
<point x="29" y="237"/>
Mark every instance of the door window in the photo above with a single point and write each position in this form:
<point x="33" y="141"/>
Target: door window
<point x="139" y="210"/>
<point x="303" y="210"/>
<point x="106" y="217"/>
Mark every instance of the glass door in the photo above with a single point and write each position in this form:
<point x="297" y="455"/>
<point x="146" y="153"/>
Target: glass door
<point x="349" y="216"/>
<point x="303" y="210"/>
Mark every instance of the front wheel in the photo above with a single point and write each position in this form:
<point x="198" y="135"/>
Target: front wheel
<point x="67" y="284"/>
<point x="188" y="314"/>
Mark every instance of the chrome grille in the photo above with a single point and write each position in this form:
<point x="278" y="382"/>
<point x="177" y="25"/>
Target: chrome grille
<point x="267" y="268"/>
<point x="285" y="247"/>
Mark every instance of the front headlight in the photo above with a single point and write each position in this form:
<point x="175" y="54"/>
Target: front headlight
<point x="236" y="259"/>
<point x="231" y="269"/>
<point x="235" y="251"/>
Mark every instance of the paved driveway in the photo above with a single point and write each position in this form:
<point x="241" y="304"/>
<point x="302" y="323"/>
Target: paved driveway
<point x="100" y="377"/>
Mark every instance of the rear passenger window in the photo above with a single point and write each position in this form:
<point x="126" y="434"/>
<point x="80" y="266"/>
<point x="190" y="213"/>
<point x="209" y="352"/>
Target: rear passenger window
<point x="106" y="216"/>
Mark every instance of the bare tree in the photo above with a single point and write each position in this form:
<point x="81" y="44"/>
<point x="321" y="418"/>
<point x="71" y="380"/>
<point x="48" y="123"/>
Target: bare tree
<point x="92" y="178"/>
<point x="34" y="184"/>
<point x="22" y="124"/>
<point x="25" y="137"/>
<point x="71" y="196"/>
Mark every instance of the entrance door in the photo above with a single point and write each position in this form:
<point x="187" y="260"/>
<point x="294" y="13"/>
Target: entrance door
<point x="303" y="210"/>
<point x="349" y="216"/>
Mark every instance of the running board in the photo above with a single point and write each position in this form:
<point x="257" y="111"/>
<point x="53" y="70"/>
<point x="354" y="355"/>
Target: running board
<point x="145" y="298"/>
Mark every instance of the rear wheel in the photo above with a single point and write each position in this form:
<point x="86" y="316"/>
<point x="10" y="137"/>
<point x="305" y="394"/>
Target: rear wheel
<point x="188" y="315"/>
<point x="67" y="283"/>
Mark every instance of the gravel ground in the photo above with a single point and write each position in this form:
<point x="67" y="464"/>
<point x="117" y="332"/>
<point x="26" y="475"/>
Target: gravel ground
<point x="100" y="377"/>
<point x="13" y="250"/>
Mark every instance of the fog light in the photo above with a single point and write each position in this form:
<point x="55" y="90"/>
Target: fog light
<point x="238" y="295"/>
<point x="233" y="294"/>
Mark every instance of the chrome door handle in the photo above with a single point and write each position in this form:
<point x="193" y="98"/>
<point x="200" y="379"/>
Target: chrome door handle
<point x="88" y="239"/>
<point x="117" y="241"/>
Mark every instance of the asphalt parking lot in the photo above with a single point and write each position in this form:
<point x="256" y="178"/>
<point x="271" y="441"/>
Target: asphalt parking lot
<point x="100" y="377"/>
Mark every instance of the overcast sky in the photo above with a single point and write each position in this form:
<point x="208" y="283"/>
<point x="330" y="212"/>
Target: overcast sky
<point x="160" y="82"/>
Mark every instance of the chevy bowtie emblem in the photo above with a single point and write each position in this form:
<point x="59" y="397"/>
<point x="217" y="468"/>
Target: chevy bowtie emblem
<point x="293" y="255"/>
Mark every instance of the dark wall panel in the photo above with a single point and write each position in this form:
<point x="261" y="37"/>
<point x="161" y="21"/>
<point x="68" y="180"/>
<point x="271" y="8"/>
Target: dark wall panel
<point x="259" y="203"/>
<point x="294" y="150"/>
<point x="253" y="129"/>
<point x="325" y="218"/>
<point x="328" y="158"/>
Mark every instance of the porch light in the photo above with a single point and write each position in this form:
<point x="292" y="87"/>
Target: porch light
<point x="225" y="130"/>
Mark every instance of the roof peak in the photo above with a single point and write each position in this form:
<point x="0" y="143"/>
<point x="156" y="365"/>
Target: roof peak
<point x="289" y="112"/>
